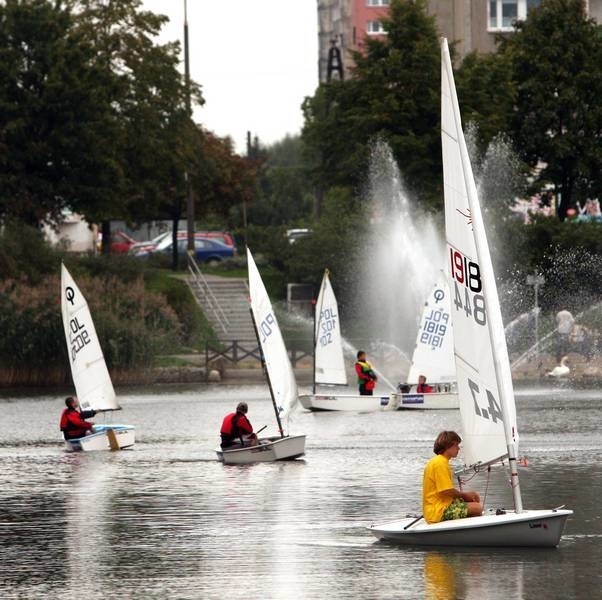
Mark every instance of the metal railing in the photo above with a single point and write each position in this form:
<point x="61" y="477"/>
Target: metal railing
<point x="207" y="295"/>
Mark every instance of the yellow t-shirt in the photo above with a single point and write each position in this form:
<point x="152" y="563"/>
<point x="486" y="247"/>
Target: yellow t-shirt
<point x="437" y="478"/>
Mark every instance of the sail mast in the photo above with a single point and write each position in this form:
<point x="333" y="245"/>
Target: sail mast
<point x="494" y="316"/>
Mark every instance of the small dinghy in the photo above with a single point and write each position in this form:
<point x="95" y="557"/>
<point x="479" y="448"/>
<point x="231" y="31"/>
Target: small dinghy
<point x="280" y="377"/>
<point x="89" y="371"/>
<point x="329" y="362"/>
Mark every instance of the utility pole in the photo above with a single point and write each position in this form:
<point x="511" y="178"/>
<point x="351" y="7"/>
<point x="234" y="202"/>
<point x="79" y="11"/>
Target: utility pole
<point x="536" y="280"/>
<point x="189" y="199"/>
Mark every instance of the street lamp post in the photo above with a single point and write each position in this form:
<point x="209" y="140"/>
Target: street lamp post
<point x="189" y="199"/>
<point x="536" y="280"/>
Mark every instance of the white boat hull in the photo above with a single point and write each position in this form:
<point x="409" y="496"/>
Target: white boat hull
<point x="432" y="401"/>
<point x="125" y="436"/>
<point x="343" y="402"/>
<point x="534" y="528"/>
<point x="268" y="450"/>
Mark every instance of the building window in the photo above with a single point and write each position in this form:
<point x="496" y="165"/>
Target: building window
<point x="378" y="2"/>
<point x="503" y="13"/>
<point x="375" y="28"/>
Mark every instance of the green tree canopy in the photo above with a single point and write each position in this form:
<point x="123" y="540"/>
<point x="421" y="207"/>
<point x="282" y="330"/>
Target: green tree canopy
<point x="556" y="57"/>
<point x="394" y="95"/>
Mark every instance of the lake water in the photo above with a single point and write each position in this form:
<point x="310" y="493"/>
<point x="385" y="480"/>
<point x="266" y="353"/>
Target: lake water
<point x="166" y="520"/>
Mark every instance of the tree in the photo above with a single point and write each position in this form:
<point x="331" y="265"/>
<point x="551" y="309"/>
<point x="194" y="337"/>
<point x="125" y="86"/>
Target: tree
<point x="56" y="122"/>
<point x="393" y="95"/>
<point x="149" y="99"/>
<point x="556" y="56"/>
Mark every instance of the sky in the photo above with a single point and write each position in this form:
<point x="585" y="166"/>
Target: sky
<point x="256" y="60"/>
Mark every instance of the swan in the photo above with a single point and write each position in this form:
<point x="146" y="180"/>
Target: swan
<point x="560" y="370"/>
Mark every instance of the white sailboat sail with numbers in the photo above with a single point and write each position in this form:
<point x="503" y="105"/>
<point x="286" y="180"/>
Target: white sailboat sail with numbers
<point x="329" y="362"/>
<point x="487" y="408"/>
<point x="91" y="377"/>
<point x="433" y="357"/>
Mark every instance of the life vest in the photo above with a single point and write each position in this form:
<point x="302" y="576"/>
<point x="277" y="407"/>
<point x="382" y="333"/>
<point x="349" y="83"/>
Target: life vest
<point x="366" y="369"/>
<point x="234" y="426"/>
<point x="72" y="423"/>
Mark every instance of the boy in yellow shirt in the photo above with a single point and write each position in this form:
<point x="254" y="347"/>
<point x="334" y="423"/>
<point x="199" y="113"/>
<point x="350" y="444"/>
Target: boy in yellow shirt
<point x="440" y="500"/>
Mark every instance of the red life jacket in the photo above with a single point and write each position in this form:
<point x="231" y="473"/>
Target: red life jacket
<point x="72" y="424"/>
<point x="234" y="426"/>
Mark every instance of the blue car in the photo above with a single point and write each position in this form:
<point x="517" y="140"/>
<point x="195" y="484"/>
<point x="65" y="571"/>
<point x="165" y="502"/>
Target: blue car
<point x="205" y="250"/>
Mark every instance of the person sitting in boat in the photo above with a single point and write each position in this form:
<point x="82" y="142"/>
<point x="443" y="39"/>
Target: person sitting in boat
<point x="422" y="387"/>
<point x="366" y="377"/>
<point x="237" y="431"/>
<point x="440" y="500"/>
<point x="73" y="423"/>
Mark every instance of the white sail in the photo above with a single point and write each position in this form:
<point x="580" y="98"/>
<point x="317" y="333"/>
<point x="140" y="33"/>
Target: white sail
<point x="329" y="360"/>
<point x="88" y="369"/>
<point x="278" y="365"/>
<point x="434" y="352"/>
<point x="484" y="383"/>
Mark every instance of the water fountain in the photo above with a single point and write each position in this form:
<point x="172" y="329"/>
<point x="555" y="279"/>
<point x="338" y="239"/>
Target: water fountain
<point x="403" y="254"/>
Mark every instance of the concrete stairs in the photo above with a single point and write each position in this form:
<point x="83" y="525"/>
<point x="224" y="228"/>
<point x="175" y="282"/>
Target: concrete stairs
<point x="225" y="303"/>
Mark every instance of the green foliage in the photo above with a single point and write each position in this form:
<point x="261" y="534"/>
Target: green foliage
<point x="393" y="95"/>
<point x="568" y="255"/>
<point x="139" y="313"/>
<point x="556" y="57"/>
<point x="332" y="245"/>
<point x="56" y="124"/>
<point x="24" y="254"/>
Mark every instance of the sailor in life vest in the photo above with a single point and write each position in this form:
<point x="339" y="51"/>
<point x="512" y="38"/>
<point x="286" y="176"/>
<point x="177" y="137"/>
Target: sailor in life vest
<point x="73" y="423"/>
<point x="423" y="387"/>
<point x="236" y="430"/>
<point x="366" y="377"/>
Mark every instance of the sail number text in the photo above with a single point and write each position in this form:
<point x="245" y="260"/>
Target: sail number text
<point x="78" y="337"/>
<point x="327" y="324"/>
<point x="467" y="287"/>
<point x="435" y="326"/>
<point x="266" y="327"/>
<point x="493" y="411"/>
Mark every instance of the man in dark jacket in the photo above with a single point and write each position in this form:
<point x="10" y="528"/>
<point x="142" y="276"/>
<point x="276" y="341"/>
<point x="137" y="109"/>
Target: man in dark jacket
<point x="236" y="429"/>
<point x="73" y="424"/>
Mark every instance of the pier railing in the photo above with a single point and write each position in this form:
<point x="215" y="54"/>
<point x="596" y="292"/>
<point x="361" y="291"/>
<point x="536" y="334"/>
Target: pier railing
<point x="237" y="351"/>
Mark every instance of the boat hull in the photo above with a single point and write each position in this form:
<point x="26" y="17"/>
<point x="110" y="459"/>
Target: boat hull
<point x="268" y="450"/>
<point x="531" y="528"/>
<point x="341" y="402"/>
<point x="125" y="436"/>
<point x="433" y="401"/>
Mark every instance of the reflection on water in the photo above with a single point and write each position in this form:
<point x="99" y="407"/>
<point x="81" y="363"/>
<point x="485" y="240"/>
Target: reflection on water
<point x="166" y="520"/>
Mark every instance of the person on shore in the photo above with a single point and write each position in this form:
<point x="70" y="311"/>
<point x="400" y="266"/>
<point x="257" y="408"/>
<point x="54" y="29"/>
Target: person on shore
<point x="73" y="423"/>
<point x="422" y="387"/>
<point x="366" y="377"/>
<point x="237" y="431"/>
<point x="440" y="500"/>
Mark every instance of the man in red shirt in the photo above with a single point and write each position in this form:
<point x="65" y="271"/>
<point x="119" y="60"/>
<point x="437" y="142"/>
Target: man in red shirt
<point x="236" y="429"/>
<point x="72" y="422"/>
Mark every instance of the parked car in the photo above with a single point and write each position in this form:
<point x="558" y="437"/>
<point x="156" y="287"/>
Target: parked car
<point x="296" y="234"/>
<point x="205" y="250"/>
<point x="121" y="242"/>
<point x="150" y="245"/>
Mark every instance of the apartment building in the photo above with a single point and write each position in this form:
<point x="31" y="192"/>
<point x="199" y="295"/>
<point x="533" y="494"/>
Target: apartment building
<point x="345" y="24"/>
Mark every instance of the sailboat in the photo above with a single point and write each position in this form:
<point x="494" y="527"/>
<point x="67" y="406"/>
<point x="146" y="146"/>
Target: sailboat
<point x="89" y="371"/>
<point x="487" y="407"/>
<point x="280" y="377"/>
<point x="433" y="356"/>
<point x="329" y="362"/>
